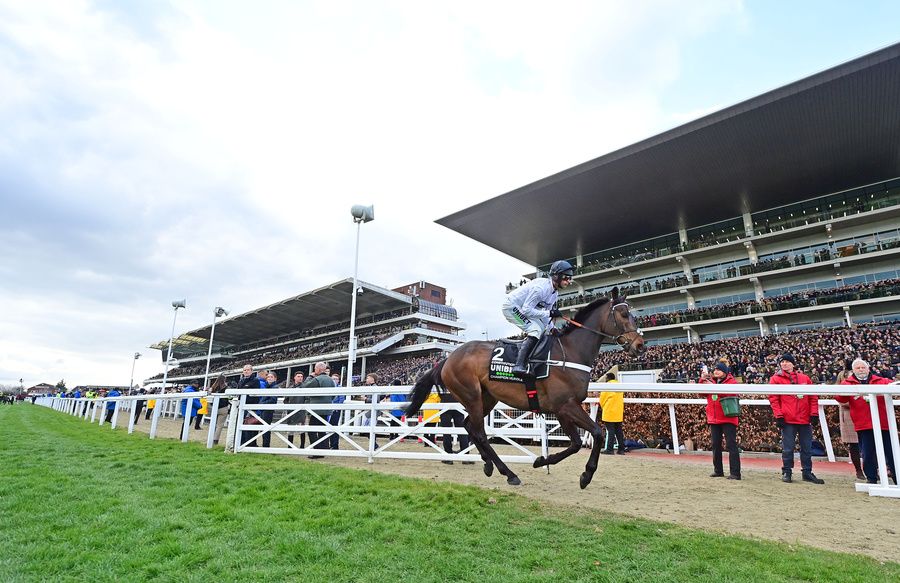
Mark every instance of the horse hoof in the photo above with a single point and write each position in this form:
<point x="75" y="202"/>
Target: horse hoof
<point x="514" y="481"/>
<point x="488" y="469"/>
<point x="540" y="461"/>
<point x="585" y="480"/>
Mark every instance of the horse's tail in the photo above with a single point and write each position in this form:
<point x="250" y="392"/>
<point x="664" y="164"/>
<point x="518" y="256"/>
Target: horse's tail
<point x="423" y="387"/>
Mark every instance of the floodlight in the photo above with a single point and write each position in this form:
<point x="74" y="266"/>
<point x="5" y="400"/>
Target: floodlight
<point x="362" y="214"/>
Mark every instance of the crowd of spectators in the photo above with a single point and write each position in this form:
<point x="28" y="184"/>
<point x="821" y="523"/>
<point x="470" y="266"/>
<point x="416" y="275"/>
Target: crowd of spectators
<point x="405" y="369"/>
<point x="601" y="261"/>
<point x="821" y="354"/>
<point x="308" y="349"/>
<point x="800" y="299"/>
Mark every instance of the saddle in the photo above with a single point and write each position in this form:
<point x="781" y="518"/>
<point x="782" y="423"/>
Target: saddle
<point x="503" y="358"/>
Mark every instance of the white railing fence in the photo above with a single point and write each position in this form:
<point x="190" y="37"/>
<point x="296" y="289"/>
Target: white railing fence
<point x="358" y="426"/>
<point x="358" y="435"/>
<point x="869" y="392"/>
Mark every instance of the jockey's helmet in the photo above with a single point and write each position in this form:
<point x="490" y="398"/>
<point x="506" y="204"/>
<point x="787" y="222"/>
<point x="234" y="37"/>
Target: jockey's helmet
<point x="561" y="267"/>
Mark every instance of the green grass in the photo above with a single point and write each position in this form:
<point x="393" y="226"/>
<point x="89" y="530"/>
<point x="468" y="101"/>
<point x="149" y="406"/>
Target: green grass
<point x="80" y="502"/>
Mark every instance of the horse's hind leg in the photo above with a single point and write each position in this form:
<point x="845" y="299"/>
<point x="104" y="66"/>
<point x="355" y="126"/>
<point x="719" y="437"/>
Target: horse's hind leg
<point x="568" y="426"/>
<point x="488" y="402"/>
<point x="485" y="456"/>
<point x="475" y="426"/>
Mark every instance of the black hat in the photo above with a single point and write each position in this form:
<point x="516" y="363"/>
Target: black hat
<point x="723" y="367"/>
<point x="788" y="357"/>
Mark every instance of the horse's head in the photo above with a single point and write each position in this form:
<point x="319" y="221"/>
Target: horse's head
<point x="611" y="318"/>
<point x="627" y="334"/>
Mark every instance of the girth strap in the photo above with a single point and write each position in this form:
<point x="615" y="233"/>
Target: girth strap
<point x="531" y="392"/>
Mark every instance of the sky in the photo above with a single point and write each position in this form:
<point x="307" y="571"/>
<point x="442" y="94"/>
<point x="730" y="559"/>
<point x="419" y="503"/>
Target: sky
<point x="211" y="150"/>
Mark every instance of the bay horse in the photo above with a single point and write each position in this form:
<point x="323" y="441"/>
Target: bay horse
<point x="465" y="374"/>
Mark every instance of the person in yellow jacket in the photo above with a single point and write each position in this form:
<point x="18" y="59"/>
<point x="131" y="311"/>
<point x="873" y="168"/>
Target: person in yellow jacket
<point x="431" y="417"/>
<point x="151" y="403"/>
<point x="203" y="410"/>
<point x="612" y="405"/>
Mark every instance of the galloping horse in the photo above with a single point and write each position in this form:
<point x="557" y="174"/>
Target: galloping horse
<point x="465" y="374"/>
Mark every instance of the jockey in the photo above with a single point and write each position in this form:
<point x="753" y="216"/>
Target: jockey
<point x="531" y="306"/>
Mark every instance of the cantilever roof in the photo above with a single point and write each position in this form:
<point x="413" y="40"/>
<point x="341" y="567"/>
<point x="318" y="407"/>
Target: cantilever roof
<point x="320" y="307"/>
<point x="829" y="132"/>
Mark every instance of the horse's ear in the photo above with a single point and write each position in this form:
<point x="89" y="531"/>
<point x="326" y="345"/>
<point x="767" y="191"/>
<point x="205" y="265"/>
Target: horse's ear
<point x="614" y="292"/>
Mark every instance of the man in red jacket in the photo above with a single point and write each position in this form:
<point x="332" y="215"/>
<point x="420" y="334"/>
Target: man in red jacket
<point x="794" y="415"/>
<point x="719" y="424"/>
<point x="861" y="415"/>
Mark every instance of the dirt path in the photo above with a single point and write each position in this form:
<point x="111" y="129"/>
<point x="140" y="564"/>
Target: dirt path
<point x="677" y="489"/>
<point x="660" y="487"/>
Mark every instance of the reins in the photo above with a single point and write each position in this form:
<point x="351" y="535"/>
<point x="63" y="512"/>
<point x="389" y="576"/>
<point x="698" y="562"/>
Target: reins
<point x="599" y="333"/>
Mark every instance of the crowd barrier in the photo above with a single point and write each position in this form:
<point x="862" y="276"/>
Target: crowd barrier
<point x="358" y="434"/>
<point x="869" y="392"/>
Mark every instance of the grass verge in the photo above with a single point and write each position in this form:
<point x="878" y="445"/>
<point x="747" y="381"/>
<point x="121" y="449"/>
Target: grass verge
<point x="81" y="502"/>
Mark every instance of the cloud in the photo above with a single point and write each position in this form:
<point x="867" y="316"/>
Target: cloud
<point x="154" y="151"/>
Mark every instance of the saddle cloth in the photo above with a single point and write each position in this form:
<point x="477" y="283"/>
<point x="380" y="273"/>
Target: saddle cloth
<point x="503" y="358"/>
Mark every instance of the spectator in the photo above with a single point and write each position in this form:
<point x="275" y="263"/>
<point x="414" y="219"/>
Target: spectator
<point x="151" y="404"/>
<point x="268" y="415"/>
<point x="219" y="386"/>
<point x="335" y="417"/>
<point x="794" y="415"/>
<point x="111" y="405"/>
<point x="319" y="380"/>
<point x="612" y="405"/>
<point x="297" y="417"/>
<point x="431" y="417"/>
<point x="250" y="380"/>
<point x="720" y="424"/>
<point x="370" y="381"/>
<point x="194" y="404"/>
<point x="848" y="432"/>
<point x="139" y="406"/>
<point x="860" y="412"/>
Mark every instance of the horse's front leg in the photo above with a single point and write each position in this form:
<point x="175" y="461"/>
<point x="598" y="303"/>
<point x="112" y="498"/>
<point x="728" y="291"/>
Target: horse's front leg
<point x="568" y="426"/>
<point x="584" y="421"/>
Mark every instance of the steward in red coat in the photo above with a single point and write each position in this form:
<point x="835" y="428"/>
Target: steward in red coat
<point x="720" y="425"/>
<point x="860" y="412"/>
<point x="793" y="415"/>
<point x="861" y="415"/>
<point x="714" y="413"/>
<point x="799" y="408"/>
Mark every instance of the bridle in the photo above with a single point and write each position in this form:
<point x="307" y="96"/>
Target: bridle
<point x="620" y="339"/>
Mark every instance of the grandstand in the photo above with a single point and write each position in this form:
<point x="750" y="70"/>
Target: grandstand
<point x="778" y="214"/>
<point x="398" y="331"/>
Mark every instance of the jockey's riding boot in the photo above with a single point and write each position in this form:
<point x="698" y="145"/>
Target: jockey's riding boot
<point x="521" y="368"/>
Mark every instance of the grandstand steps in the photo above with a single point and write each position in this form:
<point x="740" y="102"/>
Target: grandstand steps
<point x="394" y="339"/>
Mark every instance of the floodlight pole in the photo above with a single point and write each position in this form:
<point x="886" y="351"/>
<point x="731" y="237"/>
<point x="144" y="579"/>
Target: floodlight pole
<point x="137" y="355"/>
<point x="351" y="352"/>
<point x="175" y="304"/>
<point x="360" y="215"/>
<point x="217" y="313"/>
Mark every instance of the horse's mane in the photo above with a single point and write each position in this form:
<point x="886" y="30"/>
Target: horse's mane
<point x="582" y="314"/>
